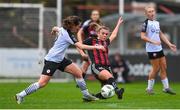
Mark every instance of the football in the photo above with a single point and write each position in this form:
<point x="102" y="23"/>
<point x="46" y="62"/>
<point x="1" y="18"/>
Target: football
<point x="107" y="91"/>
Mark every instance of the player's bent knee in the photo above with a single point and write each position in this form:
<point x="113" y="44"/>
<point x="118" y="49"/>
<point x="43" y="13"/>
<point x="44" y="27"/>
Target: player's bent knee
<point x="42" y="84"/>
<point x="78" y="75"/>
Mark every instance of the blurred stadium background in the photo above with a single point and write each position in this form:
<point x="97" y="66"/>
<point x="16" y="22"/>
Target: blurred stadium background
<point x="26" y="24"/>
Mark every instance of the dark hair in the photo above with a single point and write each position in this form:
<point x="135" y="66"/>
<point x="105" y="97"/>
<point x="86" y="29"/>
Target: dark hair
<point x="71" y="21"/>
<point x="99" y="20"/>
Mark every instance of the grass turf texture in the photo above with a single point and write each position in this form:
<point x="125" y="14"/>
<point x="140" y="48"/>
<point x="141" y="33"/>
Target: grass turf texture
<point x="67" y="96"/>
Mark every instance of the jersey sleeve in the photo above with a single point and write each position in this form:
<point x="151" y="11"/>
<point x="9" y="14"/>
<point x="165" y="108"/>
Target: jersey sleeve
<point x="85" y="28"/>
<point x="88" y="41"/>
<point x="86" y="23"/>
<point x="144" y="26"/>
<point x="71" y="38"/>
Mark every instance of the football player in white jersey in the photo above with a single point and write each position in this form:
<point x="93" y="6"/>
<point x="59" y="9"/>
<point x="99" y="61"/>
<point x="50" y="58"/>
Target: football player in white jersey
<point x="152" y="35"/>
<point x="55" y="59"/>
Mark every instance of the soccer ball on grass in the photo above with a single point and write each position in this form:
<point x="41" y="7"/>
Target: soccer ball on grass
<point x="107" y="91"/>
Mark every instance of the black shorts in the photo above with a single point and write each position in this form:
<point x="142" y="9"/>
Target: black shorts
<point x="96" y="69"/>
<point x="50" y="67"/>
<point x="155" y="55"/>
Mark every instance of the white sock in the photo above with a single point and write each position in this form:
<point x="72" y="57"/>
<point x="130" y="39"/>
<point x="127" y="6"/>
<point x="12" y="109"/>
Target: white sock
<point x="32" y="88"/>
<point x="151" y="84"/>
<point x="165" y="83"/>
<point x="82" y="85"/>
<point x="23" y="93"/>
<point x="85" y="92"/>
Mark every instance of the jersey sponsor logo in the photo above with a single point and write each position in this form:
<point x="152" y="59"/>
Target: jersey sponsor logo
<point x="155" y="30"/>
<point x="152" y="30"/>
<point x="100" y="68"/>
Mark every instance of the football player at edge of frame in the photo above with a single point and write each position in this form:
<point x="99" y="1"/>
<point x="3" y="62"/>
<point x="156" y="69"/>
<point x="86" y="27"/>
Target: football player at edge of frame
<point x="152" y="35"/>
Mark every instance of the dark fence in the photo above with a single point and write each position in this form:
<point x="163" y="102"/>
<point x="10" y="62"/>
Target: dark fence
<point x="140" y="66"/>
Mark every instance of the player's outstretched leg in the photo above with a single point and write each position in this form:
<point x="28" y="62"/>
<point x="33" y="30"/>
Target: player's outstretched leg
<point x="32" y="88"/>
<point x="43" y="81"/>
<point x="86" y="95"/>
<point x="119" y="92"/>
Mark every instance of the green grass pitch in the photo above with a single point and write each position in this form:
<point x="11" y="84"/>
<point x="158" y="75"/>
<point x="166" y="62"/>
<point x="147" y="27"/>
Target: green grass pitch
<point x="67" y="96"/>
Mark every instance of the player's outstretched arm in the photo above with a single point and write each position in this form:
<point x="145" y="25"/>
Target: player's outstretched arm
<point x="88" y="47"/>
<point x="80" y="35"/>
<point x="165" y="40"/>
<point x="82" y="53"/>
<point x="146" y="39"/>
<point x="115" y="31"/>
<point x="80" y="39"/>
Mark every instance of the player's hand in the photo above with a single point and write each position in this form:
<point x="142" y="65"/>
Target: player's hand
<point x="157" y="43"/>
<point x="116" y="70"/>
<point x="84" y="57"/>
<point x="55" y="30"/>
<point x="100" y="47"/>
<point x="120" y="20"/>
<point x="173" y="47"/>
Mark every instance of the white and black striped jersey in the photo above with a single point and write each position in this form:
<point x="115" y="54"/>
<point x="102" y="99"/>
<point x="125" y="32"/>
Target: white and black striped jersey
<point x="63" y="40"/>
<point x="152" y="30"/>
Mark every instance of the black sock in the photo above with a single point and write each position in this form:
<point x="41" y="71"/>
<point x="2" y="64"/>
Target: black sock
<point x="98" y="95"/>
<point x="112" y="82"/>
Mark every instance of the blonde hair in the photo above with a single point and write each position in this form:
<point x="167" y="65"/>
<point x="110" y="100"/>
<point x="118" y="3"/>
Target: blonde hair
<point x="150" y="6"/>
<point x="103" y="27"/>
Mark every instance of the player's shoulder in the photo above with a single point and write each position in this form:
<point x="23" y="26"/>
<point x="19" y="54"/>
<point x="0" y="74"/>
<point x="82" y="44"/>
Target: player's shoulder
<point x="156" y="21"/>
<point x="145" y="22"/>
<point x="86" y="22"/>
<point x="66" y="33"/>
